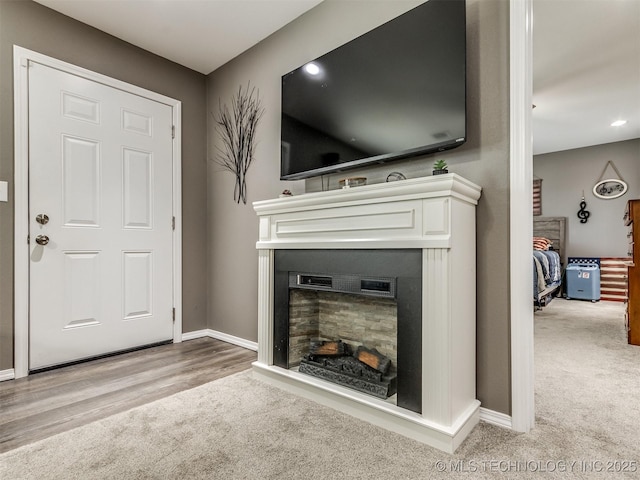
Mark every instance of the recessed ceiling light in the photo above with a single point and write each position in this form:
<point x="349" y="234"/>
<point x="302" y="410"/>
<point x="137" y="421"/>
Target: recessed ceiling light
<point x="312" y="68"/>
<point x="618" y="123"/>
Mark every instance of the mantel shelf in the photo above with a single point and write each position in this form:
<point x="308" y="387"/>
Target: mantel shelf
<point x="416" y="213"/>
<point x="423" y="187"/>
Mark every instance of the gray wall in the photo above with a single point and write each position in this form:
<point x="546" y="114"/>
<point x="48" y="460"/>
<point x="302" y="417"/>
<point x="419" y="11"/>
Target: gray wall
<point x="30" y="25"/>
<point x="566" y="175"/>
<point x="484" y="159"/>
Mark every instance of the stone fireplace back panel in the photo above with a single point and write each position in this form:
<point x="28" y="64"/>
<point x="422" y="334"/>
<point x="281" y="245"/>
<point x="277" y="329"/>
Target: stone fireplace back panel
<point x="318" y="315"/>
<point x="403" y="264"/>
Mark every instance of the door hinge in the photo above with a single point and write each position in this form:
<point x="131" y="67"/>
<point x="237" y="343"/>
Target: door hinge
<point x="173" y="223"/>
<point x="28" y="239"/>
<point x="173" y="131"/>
<point x="173" y="314"/>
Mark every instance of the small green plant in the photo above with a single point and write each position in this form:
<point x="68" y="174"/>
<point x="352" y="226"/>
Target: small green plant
<point x="440" y="165"/>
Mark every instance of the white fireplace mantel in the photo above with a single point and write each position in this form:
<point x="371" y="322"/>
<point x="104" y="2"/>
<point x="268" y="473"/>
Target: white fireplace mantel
<point x="435" y="214"/>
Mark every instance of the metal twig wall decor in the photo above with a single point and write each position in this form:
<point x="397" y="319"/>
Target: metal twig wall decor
<point x="237" y="128"/>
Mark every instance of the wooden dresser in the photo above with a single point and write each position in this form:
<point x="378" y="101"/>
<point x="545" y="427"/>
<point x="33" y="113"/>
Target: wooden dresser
<point x="632" y="221"/>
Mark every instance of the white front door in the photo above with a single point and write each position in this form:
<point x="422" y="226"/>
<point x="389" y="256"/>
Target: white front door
<point x="100" y="218"/>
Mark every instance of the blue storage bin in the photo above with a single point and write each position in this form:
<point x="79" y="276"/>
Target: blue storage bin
<point x="583" y="280"/>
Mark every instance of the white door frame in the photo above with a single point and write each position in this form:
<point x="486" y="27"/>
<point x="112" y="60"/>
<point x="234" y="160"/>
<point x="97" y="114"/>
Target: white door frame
<point x="521" y="213"/>
<point x="21" y="57"/>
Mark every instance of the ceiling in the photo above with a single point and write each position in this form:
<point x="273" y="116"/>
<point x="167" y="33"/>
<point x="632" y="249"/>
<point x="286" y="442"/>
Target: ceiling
<point x="200" y="34"/>
<point x="586" y="72"/>
<point x="586" y="52"/>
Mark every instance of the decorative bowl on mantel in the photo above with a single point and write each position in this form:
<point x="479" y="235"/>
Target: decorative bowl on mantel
<point x="352" y="182"/>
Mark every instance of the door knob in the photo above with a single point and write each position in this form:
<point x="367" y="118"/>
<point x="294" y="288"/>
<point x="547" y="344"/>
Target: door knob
<point x="42" y="218"/>
<point x="42" y="239"/>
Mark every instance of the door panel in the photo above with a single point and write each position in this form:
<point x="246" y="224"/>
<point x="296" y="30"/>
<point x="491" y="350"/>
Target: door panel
<point x="138" y="183"/>
<point x="80" y="182"/>
<point x="82" y="288"/>
<point x="101" y="169"/>
<point x="79" y="108"/>
<point x="137" y="283"/>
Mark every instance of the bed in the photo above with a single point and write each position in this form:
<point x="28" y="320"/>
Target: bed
<point x="547" y="277"/>
<point x="548" y="260"/>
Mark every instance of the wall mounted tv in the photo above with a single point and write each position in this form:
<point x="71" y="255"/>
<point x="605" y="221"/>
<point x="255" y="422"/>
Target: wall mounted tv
<point x="397" y="91"/>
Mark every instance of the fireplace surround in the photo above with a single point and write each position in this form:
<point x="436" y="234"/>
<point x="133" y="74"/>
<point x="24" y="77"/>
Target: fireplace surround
<point x="402" y="266"/>
<point x="424" y="227"/>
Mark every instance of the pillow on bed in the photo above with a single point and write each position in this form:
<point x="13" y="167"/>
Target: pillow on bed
<point x="541" y="243"/>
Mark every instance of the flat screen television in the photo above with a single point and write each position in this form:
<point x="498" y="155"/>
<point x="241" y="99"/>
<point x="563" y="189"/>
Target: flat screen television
<point x="395" y="92"/>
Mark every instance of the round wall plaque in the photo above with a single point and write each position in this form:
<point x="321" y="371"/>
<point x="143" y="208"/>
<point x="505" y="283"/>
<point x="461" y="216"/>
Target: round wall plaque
<point x="610" y="188"/>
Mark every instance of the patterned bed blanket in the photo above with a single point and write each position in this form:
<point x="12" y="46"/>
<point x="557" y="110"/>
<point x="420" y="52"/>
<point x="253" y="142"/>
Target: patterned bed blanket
<point x="547" y="271"/>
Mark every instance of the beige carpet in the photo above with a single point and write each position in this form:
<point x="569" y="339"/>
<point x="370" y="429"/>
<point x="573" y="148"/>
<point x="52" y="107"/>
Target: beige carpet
<point x="588" y="417"/>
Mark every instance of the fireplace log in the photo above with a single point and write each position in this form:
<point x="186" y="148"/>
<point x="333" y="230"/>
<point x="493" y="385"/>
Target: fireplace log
<point x="373" y="358"/>
<point x="329" y="348"/>
<point x="350" y="372"/>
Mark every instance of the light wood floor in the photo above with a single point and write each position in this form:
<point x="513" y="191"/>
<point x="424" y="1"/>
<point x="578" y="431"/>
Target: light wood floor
<point x="51" y="402"/>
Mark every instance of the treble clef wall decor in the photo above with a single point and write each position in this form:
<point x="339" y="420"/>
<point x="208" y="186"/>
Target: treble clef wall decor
<point x="583" y="214"/>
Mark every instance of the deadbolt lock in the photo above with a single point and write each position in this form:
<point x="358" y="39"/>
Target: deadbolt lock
<point x="42" y="218"/>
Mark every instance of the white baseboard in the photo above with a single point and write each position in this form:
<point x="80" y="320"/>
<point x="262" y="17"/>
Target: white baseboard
<point x="9" y="374"/>
<point x="241" y="342"/>
<point x="495" y="418"/>
<point x="195" y="334"/>
<point x="225" y="337"/>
